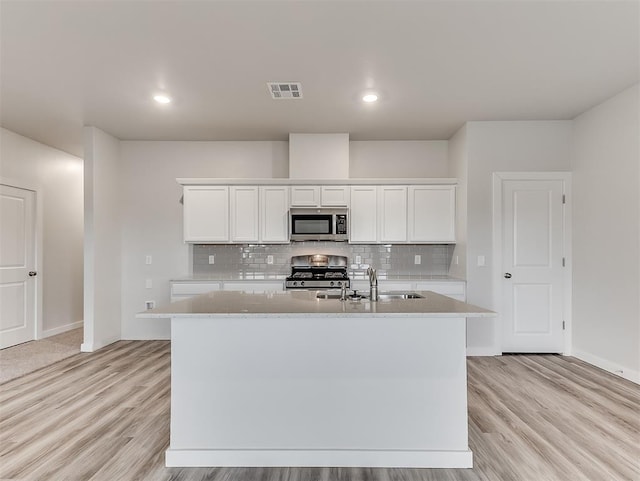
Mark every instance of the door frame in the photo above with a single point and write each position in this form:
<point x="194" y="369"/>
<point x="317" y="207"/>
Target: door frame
<point x="38" y="229"/>
<point x="498" y="179"/>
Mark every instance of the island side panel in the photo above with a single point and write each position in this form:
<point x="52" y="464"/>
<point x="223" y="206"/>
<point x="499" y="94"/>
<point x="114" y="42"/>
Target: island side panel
<point x="289" y="385"/>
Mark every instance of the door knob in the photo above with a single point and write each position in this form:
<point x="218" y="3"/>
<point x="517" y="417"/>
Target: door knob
<point x="507" y="275"/>
<point x="32" y="273"/>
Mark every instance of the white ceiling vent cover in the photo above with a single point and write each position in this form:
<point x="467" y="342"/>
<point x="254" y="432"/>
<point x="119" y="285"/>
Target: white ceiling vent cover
<point x="285" y="90"/>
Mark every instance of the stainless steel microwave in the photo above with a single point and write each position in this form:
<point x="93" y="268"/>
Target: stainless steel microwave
<point x="318" y="224"/>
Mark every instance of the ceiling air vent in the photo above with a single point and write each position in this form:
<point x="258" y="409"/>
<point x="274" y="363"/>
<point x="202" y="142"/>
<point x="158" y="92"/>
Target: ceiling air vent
<point x="285" y="90"/>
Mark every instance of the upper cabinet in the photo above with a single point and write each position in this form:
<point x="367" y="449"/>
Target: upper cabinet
<point x="432" y="214"/>
<point x="334" y="195"/>
<point x="319" y="196"/>
<point x="415" y="214"/>
<point x="305" y="196"/>
<point x="236" y="214"/>
<point x="392" y="214"/>
<point x="206" y="213"/>
<point x="274" y="214"/>
<point x="418" y="213"/>
<point x="244" y="213"/>
<point x="363" y="215"/>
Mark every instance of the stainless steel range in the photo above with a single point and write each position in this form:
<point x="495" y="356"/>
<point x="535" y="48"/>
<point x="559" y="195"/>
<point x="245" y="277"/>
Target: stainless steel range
<point x="318" y="271"/>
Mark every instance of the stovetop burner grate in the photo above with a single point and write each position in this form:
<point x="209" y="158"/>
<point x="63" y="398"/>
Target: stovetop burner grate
<point x="307" y="274"/>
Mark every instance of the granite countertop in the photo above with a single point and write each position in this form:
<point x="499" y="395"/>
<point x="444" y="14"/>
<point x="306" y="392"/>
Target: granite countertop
<point x="306" y="304"/>
<point x="230" y="276"/>
<point x="261" y="276"/>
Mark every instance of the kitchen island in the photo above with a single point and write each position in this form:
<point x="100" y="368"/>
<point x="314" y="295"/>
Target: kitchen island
<point x="287" y="379"/>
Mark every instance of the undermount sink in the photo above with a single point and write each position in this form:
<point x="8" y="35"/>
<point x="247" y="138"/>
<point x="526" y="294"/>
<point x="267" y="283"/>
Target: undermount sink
<point x="382" y="297"/>
<point x="400" y="295"/>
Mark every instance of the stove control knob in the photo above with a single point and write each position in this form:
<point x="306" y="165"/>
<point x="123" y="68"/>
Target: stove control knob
<point x="295" y="283"/>
<point x="301" y="283"/>
<point x="331" y="284"/>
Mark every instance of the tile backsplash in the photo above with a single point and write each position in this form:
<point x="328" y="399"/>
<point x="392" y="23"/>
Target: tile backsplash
<point x="387" y="259"/>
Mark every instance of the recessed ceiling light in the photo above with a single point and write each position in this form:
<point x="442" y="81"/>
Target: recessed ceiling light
<point x="162" y="99"/>
<point x="370" y="98"/>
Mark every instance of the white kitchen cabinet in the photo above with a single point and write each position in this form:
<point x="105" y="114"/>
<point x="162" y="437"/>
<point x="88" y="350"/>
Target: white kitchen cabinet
<point x="334" y="195"/>
<point x="305" y="195"/>
<point x="363" y="215"/>
<point x="455" y="289"/>
<point x="236" y="214"/>
<point x="452" y="288"/>
<point x="206" y="213"/>
<point x="255" y="287"/>
<point x="432" y="213"/>
<point x="392" y="214"/>
<point x="378" y="214"/>
<point x="274" y="214"/>
<point x="319" y="196"/>
<point x="244" y="213"/>
<point x="184" y="289"/>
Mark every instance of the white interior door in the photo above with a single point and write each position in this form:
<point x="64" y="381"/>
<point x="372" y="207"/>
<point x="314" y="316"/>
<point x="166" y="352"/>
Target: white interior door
<point x="17" y="266"/>
<point x="532" y="266"/>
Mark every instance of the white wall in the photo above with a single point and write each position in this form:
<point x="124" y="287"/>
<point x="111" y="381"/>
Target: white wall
<point x="534" y="146"/>
<point x="59" y="176"/>
<point x="103" y="200"/>
<point x="152" y="216"/>
<point x="400" y="159"/>
<point x="606" y="233"/>
<point x="458" y="168"/>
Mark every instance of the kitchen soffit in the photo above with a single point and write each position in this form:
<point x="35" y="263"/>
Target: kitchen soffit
<point x="435" y="64"/>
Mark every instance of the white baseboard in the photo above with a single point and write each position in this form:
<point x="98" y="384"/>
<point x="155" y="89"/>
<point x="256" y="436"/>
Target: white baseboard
<point x="613" y="368"/>
<point x="147" y="338"/>
<point x="60" y="329"/>
<point x="94" y="346"/>
<point x="482" y="351"/>
<point x="321" y="457"/>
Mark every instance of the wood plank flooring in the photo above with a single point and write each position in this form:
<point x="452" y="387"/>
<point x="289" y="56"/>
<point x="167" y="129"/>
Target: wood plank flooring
<point x="104" y="416"/>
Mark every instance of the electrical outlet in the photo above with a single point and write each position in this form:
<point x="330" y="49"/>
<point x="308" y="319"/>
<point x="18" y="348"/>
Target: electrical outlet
<point x="358" y="259"/>
<point x="148" y="284"/>
<point x="212" y="259"/>
<point x="148" y="260"/>
<point x="481" y="261"/>
<point x="417" y="259"/>
<point x="149" y="304"/>
<point x="457" y="261"/>
<point x="269" y="259"/>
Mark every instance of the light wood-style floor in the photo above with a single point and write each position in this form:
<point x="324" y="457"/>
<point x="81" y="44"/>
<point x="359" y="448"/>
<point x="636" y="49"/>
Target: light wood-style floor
<point x="105" y="417"/>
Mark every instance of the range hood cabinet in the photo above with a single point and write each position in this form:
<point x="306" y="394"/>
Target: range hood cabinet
<point x="318" y="156"/>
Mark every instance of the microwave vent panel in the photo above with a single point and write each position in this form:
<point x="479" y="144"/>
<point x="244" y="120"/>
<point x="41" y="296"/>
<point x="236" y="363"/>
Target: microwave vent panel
<point x="285" y="90"/>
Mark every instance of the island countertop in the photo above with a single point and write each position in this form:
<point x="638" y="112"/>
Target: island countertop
<point x="305" y="303"/>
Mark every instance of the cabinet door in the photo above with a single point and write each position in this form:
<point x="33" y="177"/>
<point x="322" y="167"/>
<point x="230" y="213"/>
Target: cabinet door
<point x="452" y="289"/>
<point x="305" y="196"/>
<point x="392" y="213"/>
<point x="184" y="290"/>
<point x="244" y="213"/>
<point x="334" y="195"/>
<point x="432" y="213"/>
<point x="206" y="213"/>
<point x="274" y="214"/>
<point x="256" y="287"/>
<point x="363" y="225"/>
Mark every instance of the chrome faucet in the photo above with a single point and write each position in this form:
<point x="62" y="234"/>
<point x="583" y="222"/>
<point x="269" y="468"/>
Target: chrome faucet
<point x="373" y="284"/>
<point x="343" y="292"/>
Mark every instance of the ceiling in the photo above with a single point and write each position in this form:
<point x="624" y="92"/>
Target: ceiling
<point x="435" y="65"/>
